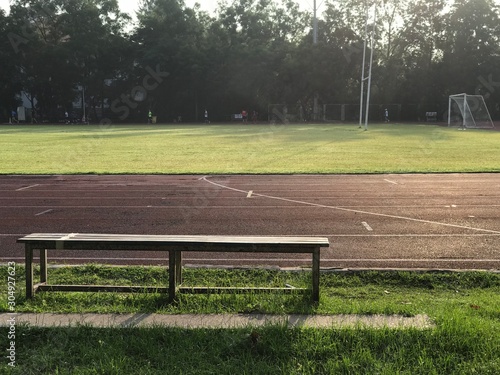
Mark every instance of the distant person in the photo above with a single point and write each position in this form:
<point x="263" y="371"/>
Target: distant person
<point x="13" y="117"/>
<point x="150" y="117"/>
<point x="244" y="116"/>
<point x="207" y="121"/>
<point x="66" y="117"/>
<point x="386" y="115"/>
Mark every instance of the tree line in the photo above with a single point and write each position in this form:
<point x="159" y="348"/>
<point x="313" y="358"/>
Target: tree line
<point x="179" y="61"/>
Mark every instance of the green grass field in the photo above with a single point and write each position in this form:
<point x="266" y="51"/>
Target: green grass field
<point x="464" y="307"/>
<point x="221" y="149"/>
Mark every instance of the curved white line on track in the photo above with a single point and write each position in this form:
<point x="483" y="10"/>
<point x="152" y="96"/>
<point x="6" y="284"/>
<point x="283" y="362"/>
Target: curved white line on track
<point x="351" y="210"/>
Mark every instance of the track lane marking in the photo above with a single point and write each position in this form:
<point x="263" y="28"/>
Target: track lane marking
<point x="240" y="206"/>
<point x="391" y="182"/>
<point x="28" y="187"/>
<point x="409" y="235"/>
<point x="367" y="226"/>
<point x="357" y="211"/>
<point x="308" y="260"/>
<point x="44" y="212"/>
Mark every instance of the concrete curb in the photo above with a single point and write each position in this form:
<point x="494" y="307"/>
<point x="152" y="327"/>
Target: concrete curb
<point x="215" y="321"/>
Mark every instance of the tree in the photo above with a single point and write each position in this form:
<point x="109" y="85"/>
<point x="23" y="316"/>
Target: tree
<point x="8" y="87"/>
<point x="61" y="46"/>
<point x="41" y="68"/>
<point x="421" y="55"/>
<point x="471" y="46"/>
<point x="257" y="39"/>
<point x="170" y="37"/>
<point x="96" y="47"/>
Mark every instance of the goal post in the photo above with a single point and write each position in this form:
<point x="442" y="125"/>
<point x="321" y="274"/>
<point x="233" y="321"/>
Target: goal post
<point x="468" y="112"/>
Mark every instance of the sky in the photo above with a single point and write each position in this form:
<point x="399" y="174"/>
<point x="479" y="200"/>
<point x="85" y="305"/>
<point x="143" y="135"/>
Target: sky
<point x="130" y="6"/>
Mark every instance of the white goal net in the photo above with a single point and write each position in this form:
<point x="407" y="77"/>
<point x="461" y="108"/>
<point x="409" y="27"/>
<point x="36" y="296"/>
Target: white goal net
<point x="468" y="112"/>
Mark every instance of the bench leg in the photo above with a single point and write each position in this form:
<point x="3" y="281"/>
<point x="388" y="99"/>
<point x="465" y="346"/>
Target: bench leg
<point x="30" y="290"/>
<point x="315" y="276"/>
<point x="172" y="275"/>
<point x="178" y="264"/>
<point x="43" y="266"/>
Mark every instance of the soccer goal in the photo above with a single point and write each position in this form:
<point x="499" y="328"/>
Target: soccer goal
<point x="468" y="112"/>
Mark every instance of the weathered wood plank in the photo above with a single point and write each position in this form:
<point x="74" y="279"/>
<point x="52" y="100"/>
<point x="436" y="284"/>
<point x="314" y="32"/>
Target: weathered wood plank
<point x="237" y="290"/>
<point x="100" y="288"/>
<point x="170" y="239"/>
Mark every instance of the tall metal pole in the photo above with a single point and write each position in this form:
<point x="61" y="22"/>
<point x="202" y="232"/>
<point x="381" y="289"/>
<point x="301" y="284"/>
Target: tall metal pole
<point x="372" y="43"/>
<point x="315" y="24"/>
<point x="361" y="100"/>
<point x="315" y="41"/>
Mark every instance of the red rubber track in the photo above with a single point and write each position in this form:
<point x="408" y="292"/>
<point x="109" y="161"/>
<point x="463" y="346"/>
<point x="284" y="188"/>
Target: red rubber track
<point x="438" y="221"/>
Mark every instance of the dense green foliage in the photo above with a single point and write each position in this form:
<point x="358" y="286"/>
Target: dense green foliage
<point x="250" y="54"/>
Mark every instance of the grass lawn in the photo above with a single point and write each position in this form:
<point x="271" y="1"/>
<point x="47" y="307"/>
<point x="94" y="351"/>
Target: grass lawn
<point x="220" y="149"/>
<point x="464" y="306"/>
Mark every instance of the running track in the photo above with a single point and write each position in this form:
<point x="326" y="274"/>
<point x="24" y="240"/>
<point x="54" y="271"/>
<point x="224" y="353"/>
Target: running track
<point x="437" y="221"/>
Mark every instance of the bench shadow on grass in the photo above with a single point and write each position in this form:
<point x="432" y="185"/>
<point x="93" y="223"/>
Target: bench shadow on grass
<point x="152" y="303"/>
<point x="286" y="301"/>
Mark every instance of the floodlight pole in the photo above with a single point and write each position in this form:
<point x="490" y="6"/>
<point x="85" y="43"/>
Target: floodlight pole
<point x="361" y="100"/>
<point x="315" y="24"/>
<point x="315" y="41"/>
<point x="372" y="43"/>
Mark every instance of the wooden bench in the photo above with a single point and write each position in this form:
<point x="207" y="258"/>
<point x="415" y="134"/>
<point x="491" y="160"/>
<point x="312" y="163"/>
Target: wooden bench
<point x="174" y="245"/>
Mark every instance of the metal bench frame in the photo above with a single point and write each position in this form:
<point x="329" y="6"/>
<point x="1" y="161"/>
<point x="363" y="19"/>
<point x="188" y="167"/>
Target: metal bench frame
<point x="174" y="245"/>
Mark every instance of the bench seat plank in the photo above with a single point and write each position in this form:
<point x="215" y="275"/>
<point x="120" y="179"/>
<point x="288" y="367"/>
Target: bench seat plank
<point x="172" y="239"/>
<point x="81" y="241"/>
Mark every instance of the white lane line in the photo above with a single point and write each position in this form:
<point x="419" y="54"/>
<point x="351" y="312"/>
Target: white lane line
<point x="367" y="226"/>
<point x="358" y="211"/>
<point x="410" y="235"/>
<point x="391" y="182"/>
<point x="28" y="187"/>
<point x="371" y="235"/>
<point x="250" y="194"/>
<point x="305" y="260"/>
<point x="239" y="206"/>
<point x="44" y="212"/>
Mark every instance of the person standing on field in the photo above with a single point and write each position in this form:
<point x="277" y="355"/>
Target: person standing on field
<point x="13" y="117"/>
<point x="206" y="117"/>
<point x="150" y="117"/>
<point x="386" y="115"/>
<point x="244" y="116"/>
